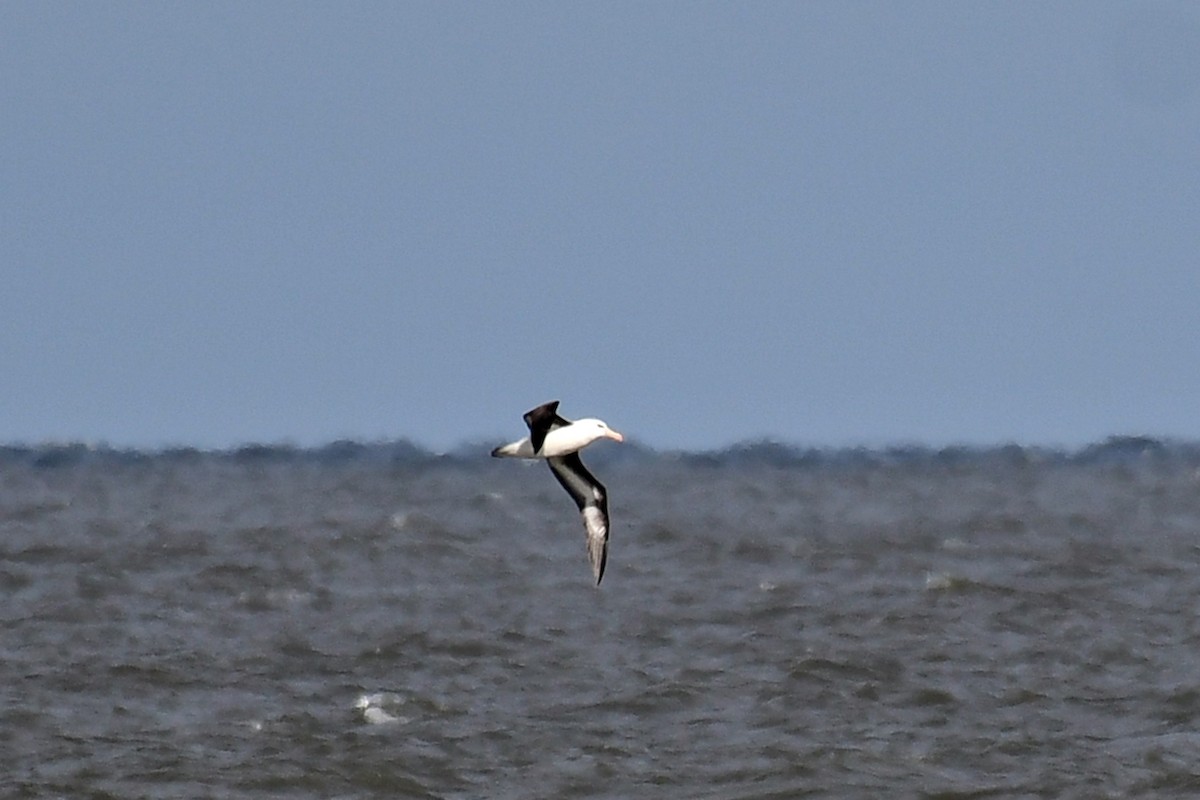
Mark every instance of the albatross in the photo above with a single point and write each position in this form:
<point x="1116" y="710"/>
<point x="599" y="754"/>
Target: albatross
<point x="559" y="441"/>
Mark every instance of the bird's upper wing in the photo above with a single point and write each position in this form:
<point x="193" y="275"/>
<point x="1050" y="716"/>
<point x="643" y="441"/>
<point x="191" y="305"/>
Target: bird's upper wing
<point x="541" y="421"/>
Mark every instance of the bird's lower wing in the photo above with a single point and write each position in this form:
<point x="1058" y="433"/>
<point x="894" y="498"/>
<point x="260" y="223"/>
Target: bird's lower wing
<point x="592" y="499"/>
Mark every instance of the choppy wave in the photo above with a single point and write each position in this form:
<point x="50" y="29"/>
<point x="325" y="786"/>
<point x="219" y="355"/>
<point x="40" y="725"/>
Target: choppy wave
<point x="370" y="620"/>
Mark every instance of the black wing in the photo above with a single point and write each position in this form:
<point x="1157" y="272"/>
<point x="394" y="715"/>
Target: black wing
<point x="592" y="499"/>
<point x="541" y="421"/>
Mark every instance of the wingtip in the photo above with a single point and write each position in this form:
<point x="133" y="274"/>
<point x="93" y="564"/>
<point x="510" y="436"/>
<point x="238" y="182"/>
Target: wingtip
<point x="599" y="563"/>
<point x="544" y="408"/>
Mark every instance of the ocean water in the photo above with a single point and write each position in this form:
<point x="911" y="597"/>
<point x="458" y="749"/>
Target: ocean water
<point x="774" y="623"/>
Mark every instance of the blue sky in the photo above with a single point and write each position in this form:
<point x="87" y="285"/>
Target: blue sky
<point x="828" y="223"/>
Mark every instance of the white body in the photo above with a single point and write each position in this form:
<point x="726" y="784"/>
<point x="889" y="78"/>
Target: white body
<point x="562" y="441"/>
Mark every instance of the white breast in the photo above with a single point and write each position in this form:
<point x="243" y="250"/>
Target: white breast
<point x="568" y="439"/>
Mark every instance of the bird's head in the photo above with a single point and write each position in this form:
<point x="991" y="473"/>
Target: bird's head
<point x="598" y="429"/>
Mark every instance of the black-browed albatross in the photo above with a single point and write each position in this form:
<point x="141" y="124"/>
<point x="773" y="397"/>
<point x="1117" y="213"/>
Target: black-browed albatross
<point x="559" y="441"/>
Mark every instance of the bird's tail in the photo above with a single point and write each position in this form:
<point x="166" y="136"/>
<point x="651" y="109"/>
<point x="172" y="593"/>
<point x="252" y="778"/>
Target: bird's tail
<point x="521" y="449"/>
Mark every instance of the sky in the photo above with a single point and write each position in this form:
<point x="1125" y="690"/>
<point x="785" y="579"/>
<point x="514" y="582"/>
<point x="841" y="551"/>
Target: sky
<point x="824" y="223"/>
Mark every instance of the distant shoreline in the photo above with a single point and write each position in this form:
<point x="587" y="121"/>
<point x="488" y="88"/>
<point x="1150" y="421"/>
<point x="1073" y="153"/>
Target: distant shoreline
<point x="765" y="452"/>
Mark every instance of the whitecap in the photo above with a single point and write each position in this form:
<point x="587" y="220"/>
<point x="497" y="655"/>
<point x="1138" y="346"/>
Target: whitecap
<point x="938" y="581"/>
<point x="375" y="708"/>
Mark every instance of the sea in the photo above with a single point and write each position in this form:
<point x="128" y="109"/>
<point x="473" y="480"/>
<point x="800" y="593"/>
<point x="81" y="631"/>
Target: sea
<point x="373" y="620"/>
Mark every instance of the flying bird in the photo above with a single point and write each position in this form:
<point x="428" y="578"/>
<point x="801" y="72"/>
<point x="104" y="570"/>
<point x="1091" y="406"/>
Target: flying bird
<point x="559" y="441"/>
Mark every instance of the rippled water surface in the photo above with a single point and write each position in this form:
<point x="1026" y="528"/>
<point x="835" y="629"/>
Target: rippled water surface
<point x="270" y="625"/>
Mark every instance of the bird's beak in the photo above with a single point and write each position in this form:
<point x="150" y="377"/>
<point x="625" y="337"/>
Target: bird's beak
<point x="615" y="436"/>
